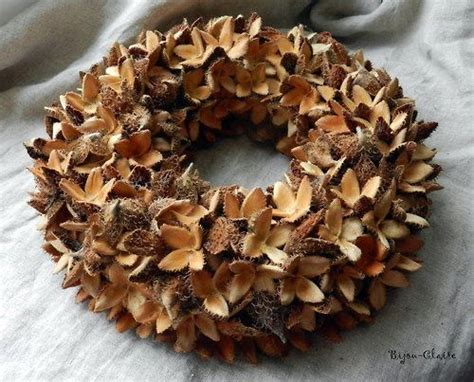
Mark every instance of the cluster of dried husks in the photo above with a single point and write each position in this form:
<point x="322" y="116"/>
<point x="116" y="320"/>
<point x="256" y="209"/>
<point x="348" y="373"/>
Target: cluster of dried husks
<point x="221" y="269"/>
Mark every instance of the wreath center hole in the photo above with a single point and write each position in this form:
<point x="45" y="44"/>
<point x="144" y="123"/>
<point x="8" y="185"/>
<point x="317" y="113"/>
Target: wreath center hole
<point x="238" y="160"/>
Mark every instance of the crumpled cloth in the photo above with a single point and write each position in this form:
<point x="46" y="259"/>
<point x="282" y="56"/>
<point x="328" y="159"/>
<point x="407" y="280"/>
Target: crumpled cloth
<point x="428" y="45"/>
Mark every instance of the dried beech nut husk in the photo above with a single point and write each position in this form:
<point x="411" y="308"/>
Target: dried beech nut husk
<point x="226" y="270"/>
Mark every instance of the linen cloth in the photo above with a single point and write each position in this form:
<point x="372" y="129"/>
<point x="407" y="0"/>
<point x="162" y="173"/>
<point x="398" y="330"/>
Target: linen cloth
<point x="428" y="45"/>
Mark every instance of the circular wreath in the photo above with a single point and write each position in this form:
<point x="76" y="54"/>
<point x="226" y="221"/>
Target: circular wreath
<point x="221" y="269"/>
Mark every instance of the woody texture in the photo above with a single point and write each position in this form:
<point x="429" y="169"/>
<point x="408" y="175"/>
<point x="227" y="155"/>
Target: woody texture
<point x="225" y="270"/>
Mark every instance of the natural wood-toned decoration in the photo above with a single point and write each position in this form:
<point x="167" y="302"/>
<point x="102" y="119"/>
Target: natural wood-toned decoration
<point x="225" y="270"/>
